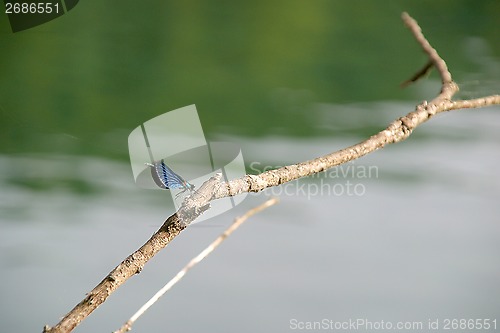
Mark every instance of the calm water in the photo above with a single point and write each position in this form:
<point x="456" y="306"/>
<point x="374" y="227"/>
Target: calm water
<point x="417" y="241"/>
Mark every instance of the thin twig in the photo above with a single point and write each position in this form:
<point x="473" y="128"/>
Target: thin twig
<point x="193" y="206"/>
<point x="426" y="69"/>
<point x="203" y="254"/>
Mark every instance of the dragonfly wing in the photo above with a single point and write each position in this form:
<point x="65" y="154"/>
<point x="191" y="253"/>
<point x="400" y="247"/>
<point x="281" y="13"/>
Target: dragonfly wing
<point x="172" y="179"/>
<point x="157" y="176"/>
<point x="166" y="178"/>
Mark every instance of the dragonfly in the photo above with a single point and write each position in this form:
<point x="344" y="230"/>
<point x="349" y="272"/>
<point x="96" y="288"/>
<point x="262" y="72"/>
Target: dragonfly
<point x="166" y="178"/>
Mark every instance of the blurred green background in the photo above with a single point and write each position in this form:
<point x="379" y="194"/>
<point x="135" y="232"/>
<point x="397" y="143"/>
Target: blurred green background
<point x="82" y="82"/>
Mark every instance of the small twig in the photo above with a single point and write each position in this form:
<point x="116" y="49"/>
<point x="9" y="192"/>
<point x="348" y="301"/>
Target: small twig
<point x="426" y="69"/>
<point x="203" y="254"/>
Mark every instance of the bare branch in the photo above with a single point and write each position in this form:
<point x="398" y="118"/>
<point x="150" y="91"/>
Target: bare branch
<point x="195" y="205"/>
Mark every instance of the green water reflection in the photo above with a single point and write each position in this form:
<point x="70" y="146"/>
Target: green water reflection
<point x="80" y="83"/>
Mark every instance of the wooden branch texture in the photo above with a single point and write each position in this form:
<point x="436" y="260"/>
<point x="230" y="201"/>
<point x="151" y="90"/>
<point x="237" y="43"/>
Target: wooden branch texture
<point x="196" y="204"/>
